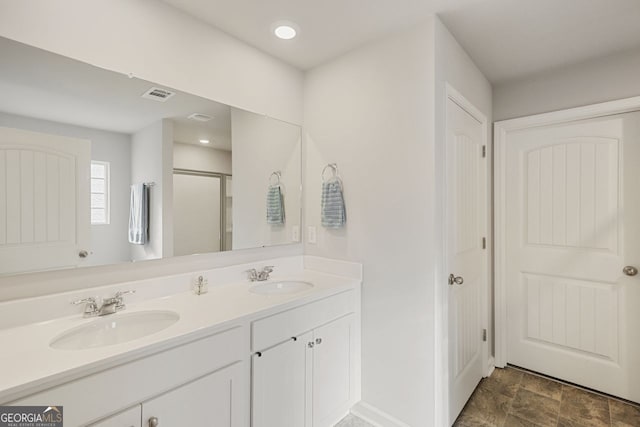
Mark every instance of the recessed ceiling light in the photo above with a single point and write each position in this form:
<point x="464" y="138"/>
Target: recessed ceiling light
<point x="285" y="30"/>
<point x="204" y="141"/>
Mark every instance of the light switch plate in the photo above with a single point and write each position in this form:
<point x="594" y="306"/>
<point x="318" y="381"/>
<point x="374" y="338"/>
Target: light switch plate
<point x="311" y="234"/>
<point x="295" y="233"/>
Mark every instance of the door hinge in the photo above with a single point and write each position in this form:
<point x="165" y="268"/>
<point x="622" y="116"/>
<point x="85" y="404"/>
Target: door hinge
<point x="484" y="243"/>
<point x="484" y="151"/>
<point x="484" y="335"/>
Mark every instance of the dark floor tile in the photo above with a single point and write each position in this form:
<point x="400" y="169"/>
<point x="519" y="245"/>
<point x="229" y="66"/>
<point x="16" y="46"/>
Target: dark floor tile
<point x="584" y="409"/>
<point x="488" y="407"/>
<point x="505" y="381"/>
<point x="513" y="421"/>
<point x="534" y="408"/>
<point x="623" y="414"/>
<point x="571" y="422"/>
<point x="467" y="419"/>
<point x="542" y="386"/>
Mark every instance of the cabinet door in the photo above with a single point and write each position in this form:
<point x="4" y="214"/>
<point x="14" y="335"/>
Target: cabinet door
<point x="211" y="401"/>
<point x="129" y="418"/>
<point x="333" y="371"/>
<point x="279" y="384"/>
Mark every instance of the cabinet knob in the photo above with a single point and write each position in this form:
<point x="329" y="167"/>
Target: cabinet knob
<point x="318" y="340"/>
<point x="310" y="344"/>
<point x="83" y="253"/>
<point x="153" y="422"/>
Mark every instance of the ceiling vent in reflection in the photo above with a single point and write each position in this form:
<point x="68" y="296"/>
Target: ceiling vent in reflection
<point x="200" y="117"/>
<point x="158" y="94"/>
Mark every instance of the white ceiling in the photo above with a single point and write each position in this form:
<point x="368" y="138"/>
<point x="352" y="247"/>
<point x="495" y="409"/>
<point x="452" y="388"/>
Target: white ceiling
<point x="39" y="84"/>
<point x="506" y="38"/>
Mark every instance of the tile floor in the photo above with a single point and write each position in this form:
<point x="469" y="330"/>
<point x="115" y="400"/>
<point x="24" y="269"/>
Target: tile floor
<point x="514" y="398"/>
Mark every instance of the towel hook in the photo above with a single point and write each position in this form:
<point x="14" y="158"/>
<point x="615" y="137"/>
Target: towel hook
<point x="278" y="175"/>
<point x="333" y="167"/>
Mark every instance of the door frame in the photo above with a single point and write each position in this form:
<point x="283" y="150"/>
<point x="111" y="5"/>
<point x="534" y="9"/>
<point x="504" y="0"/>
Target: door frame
<point x="453" y="95"/>
<point x="501" y="134"/>
<point x="223" y="193"/>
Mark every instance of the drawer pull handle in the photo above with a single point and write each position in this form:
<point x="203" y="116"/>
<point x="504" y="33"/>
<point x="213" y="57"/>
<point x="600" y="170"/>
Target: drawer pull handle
<point x="294" y="338"/>
<point x="259" y="353"/>
<point x="318" y="340"/>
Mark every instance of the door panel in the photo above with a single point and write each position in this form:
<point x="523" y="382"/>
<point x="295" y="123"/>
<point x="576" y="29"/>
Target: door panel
<point x="44" y="200"/>
<point x="196" y="214"/>
<point x="571" y="226"/>
<point x="129" y="418"/>
<point x="333" y="382"/>
<point x="279" y="381"/>
<point x="466" y="258"/>
<point x="211" y="401"/>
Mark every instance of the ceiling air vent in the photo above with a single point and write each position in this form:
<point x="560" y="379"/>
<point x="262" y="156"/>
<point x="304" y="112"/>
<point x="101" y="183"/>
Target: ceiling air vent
<point x="158" y="94"/>
<point x="200" y="117"/>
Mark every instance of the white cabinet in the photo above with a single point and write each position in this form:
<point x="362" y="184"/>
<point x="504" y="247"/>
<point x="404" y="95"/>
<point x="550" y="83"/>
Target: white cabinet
<point x="205" y="380"/>
<point x="308" y="381"/>
<point x="333" y="371"/>
<point x="129" y="418"/>
<point x="279" y="384"/>
<point x="207" y="402"/>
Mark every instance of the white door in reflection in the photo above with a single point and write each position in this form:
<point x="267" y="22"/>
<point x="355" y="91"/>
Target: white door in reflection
<point x="44" y="201"/>
<point x="196" y="214"/>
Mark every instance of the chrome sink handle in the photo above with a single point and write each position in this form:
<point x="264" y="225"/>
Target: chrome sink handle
<point x="253" y="274"/>
<point x="90" y="309"/>
<point x="120" y="301"/>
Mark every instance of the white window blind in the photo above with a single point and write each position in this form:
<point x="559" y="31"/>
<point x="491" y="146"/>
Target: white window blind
<point x="99" y="192"/>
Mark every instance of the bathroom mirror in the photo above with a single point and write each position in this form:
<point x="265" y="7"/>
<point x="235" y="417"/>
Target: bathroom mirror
<point x="75" y="138"/>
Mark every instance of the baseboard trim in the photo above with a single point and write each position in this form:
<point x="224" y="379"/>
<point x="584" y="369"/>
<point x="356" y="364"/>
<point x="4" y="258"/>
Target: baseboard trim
<point x="491" y="366"/>
<point x="375" y="416"/>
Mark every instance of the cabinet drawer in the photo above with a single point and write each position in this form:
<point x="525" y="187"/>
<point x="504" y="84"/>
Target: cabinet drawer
<point x="281" y="326"/>
<point x="93" y="397"/>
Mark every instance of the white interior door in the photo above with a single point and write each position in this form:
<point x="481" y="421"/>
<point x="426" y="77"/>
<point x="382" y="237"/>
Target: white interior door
<point x="466" y="178"/>
<point x="196" y="214"/>
<point x="44" y="200"/>
<point x="572" y="222"/>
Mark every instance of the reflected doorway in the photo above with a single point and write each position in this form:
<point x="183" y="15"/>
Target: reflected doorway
<point x="202" y="212"/>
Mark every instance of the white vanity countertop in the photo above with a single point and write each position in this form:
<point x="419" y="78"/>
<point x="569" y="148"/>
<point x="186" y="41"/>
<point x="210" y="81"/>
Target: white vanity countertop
<point x="28" y="364"/>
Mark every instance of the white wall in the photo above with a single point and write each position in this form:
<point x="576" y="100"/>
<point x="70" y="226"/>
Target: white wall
<point x="599" y="80"/>
<point x="108" y="242"/>
<point x="456" y="68"/>
<point x="371" y="111"/>
<point x="157" y="42"/>
<point x="194" y="157"/>
<point x="149" y="155"/>
<point x="261" y="146"/>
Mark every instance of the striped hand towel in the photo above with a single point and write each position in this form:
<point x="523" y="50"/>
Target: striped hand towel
<point x="275" y="205"/>
<point x="333" y="210"/>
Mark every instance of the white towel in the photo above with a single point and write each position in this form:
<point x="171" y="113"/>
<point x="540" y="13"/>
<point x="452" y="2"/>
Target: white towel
<point x="275" y="205"/>
<point x="333" y="210"/>
<point x="139" y="215"/>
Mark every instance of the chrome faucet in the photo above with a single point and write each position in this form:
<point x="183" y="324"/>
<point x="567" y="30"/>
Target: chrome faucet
<point x="260" y="276"/>
<point x="108" y="306"/>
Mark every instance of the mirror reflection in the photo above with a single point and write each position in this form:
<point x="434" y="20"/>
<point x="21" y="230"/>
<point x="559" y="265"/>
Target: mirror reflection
<point x="98" y="168"/>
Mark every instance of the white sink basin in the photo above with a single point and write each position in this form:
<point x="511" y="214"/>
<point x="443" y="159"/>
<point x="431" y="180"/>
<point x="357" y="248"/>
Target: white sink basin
<point x="280" y="287"/>
<point x="114" y="329"/>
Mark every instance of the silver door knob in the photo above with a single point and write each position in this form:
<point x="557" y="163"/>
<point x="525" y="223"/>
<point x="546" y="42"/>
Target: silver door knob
<point x="153" y="422"/>
<point x="455" y="280"/>
<point x="630" y="270"/>
<point x="83" y="254"/>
